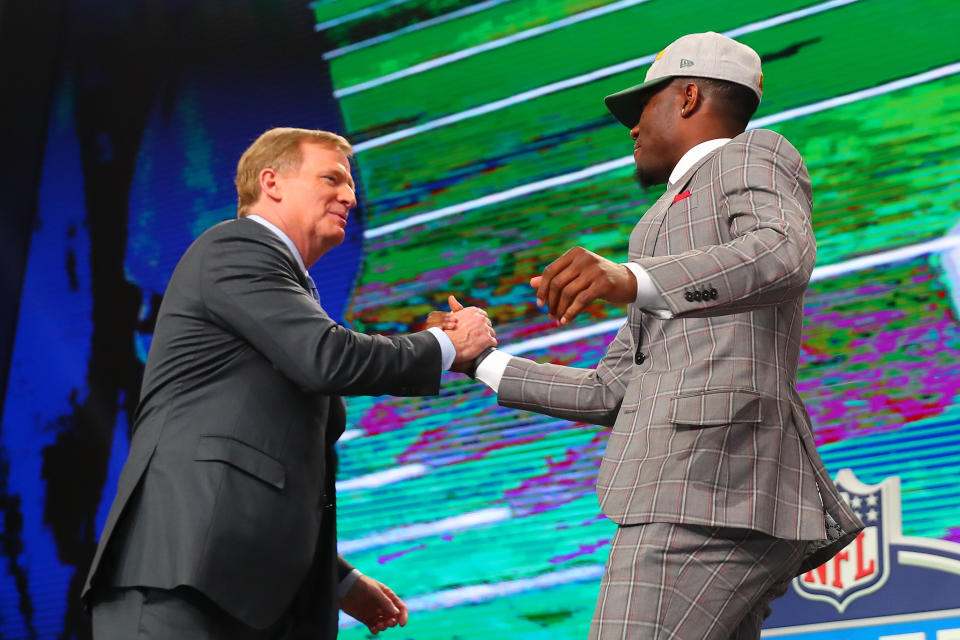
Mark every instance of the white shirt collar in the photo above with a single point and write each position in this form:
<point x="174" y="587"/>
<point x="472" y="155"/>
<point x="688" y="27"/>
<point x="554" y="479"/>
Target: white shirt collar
<point x="693" y="155"/>
<point x="280" y="234"/>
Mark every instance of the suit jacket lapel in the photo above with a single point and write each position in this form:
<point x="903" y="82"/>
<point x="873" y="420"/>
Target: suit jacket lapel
<point x="643" y="240"/>
<point x="338" y="408"/>
<point x="280" y="246"/>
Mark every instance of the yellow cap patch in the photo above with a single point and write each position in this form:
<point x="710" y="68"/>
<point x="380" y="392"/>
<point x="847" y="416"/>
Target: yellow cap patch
<point x="761" y="83"/>
<point x="660" y="55"/>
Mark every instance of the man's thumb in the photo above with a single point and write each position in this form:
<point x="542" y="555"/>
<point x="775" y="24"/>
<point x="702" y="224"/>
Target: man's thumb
<point x="454" y="304"/>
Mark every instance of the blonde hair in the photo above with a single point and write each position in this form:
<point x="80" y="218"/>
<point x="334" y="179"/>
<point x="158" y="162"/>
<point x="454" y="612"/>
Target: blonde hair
<point x="278" y="149"/>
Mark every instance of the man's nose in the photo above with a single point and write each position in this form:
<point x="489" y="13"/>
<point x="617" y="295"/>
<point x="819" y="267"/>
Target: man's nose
<point x="347" y="196"/>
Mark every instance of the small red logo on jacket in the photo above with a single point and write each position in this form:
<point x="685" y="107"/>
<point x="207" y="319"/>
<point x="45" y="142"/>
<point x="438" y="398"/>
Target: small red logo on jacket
<point x="681" y="196"/>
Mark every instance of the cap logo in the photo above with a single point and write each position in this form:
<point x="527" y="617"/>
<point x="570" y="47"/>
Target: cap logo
<point x="660" y="55"/>
<point x="685" y="63"/>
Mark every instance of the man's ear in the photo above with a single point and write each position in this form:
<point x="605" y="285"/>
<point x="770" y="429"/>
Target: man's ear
<point x="692" y="99"/>
<point x="270" y="185"/>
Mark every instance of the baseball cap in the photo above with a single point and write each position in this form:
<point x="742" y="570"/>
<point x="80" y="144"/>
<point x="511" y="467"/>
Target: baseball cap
<point x="701" y="55"/>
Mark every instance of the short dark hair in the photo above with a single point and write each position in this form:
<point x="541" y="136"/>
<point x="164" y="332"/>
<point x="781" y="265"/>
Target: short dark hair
<point x="737" y="100"/>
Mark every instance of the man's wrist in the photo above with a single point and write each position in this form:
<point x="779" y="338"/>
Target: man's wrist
<point x="639" y="278"/>
<point x="490" y="371"/>
<point x="472" y="369"/>
<point x="447" y="351"/>
<point x="648" y="296"/>
<point x="347" y="583"/>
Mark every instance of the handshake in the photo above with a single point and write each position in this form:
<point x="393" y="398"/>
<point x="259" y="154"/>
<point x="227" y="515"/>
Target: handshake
<point x="470" y="331"/>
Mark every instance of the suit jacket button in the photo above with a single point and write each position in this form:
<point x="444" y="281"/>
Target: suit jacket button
<point x="639" y="358"/>
<point x="688" y="296"/>
<point x="706" y="294"/>
<point x="697" y="295"/>
<point x="713" y="293"/>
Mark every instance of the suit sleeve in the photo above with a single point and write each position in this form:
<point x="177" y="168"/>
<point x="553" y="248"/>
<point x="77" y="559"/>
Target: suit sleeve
<point x="250" y="289"/>
<point x="343" y="568"/>
<point x="764" y="201"/>
<point x="570" y="393"/>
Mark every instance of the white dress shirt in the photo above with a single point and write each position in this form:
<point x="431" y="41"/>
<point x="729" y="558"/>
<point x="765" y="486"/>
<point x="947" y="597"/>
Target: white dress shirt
<point x="490" y="371"/>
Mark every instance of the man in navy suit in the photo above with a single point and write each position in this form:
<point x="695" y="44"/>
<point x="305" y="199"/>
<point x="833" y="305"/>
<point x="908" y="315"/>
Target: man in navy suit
<point x="224" y="521"/>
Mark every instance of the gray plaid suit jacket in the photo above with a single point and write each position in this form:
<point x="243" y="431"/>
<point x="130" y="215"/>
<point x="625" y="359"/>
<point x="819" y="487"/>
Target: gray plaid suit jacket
<point x="708" y="427"/>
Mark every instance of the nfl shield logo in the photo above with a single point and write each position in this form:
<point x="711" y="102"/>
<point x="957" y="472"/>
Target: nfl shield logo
<point x="863" y="565"/>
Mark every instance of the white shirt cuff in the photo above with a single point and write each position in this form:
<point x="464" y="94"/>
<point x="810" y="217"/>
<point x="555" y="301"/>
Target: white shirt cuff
<point x="491" y="369"/>
<point x="448" y="351"/>
<point x="347" y="583"/>
<point x="648" y="298"/>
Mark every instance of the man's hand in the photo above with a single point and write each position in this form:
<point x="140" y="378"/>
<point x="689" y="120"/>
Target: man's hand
<point x="374" y="604"/>
<point x="473" y="334"/>
<point x="442" y="319"/>
<point x="577" y="278"/>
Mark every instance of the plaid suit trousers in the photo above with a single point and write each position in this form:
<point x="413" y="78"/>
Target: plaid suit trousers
<point x="667" y="581"/>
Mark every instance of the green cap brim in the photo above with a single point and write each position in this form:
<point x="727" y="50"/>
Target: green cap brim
<point x="627" y="105"/>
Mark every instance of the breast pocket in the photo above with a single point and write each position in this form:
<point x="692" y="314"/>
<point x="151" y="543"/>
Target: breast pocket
<point x="684" y="227"/>
<point x="242" y="456"/>
<point x="716" y="407"/>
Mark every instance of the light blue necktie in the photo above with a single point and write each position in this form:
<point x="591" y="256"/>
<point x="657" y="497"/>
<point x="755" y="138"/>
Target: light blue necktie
<point x="313" y="289"/>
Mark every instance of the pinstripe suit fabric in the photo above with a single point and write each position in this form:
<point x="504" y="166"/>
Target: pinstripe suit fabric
<point x="708" y="427"/>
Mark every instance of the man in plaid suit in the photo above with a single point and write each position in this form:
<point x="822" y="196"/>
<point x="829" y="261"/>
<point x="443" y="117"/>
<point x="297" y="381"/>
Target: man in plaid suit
<point x="710" y="470"/>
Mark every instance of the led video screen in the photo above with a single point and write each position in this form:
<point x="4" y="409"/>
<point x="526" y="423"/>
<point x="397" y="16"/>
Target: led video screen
<point x="483" y="151"/>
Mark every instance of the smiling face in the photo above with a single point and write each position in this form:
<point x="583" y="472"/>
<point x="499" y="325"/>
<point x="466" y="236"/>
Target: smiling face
<point x="317" y="198"/>
<point x="655" y="148"/>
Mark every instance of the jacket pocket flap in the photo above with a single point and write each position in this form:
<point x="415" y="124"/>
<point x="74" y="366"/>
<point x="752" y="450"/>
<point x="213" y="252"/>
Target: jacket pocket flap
<point x="716" y="408"/>
<point x="242" y="456"/>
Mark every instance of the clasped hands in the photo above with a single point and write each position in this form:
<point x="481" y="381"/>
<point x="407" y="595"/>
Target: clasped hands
<point x="469" y="329"/>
